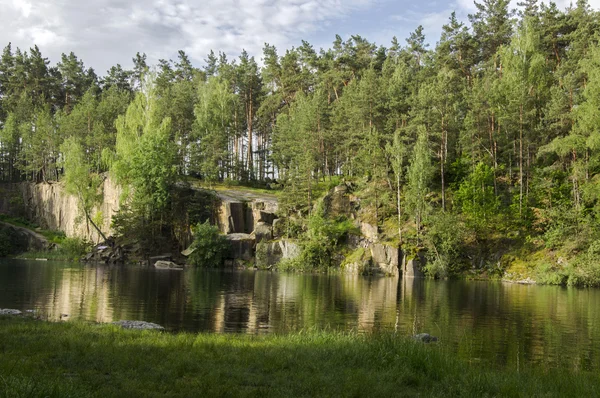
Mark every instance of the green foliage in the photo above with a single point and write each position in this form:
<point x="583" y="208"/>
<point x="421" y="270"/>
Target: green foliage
<point x="321" y="239"/>
<point x="74" y="248"/>
<point x="498" y="122"/>
<point x="445" y="241"/>
<point x="80" y="181"/>
<point x="419" y="175"/>
<point x="476" y="197"/>
<point x="208" y="246"/>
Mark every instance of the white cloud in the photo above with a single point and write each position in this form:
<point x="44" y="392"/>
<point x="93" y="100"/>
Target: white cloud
<point x="106" y="32"/>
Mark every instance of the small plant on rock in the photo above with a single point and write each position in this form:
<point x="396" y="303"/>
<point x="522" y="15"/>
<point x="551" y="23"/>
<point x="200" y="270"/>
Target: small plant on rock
<point x="208" y="246"/>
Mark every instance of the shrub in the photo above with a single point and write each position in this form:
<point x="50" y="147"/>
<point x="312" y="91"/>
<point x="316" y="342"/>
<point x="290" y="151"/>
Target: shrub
<point x="208" y="246"/>
<point x="74" y="247"/>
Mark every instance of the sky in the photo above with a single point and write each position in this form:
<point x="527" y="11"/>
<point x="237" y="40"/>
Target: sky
<point x="105" y="32"/>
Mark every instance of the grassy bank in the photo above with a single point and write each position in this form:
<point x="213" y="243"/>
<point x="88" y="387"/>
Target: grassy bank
<point x="83" y="360"/>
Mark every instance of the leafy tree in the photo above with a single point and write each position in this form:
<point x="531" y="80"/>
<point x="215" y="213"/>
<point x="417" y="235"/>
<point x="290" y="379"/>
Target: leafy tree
<point x="419" y="176"/>
<point x="80" y="181"/>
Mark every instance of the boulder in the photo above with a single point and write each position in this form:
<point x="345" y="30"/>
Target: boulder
<point x="232" y="217"/>
<point x="337" y="202"/>
<point x="369" y="231"/>
<point x="241" y="247"/>
<point x="22" y="239"/>
<point x="289" y="249"/>
<point x="385" y="258"/>
<point x="167" y="265"/>
<point x="274" y="252"/>
<point x="414" y="268"/>
<point x="138" y="325"/>
<point x="425" y="338"/>
<point x="263" y="232"/>
<point x="9" y="311"/>
<point x="164" y="257"/>
<point x="278" y="228"/>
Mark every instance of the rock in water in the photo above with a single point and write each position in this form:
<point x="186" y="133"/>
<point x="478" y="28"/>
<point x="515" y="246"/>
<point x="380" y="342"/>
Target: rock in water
<point x="167" y="265"/>
<point x="425" y="338"/>
<point x="9" y="311"/>
<point x="138" y="325"/>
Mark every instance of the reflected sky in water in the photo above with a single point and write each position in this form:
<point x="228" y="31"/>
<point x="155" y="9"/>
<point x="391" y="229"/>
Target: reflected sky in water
<point x="508" y="325"/>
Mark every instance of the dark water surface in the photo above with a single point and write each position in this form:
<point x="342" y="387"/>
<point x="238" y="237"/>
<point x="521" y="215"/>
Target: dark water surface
<point x="508" y="325"/>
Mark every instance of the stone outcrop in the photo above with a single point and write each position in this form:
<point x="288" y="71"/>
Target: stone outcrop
<point x="374" y="259"/>
<point x="241" y="247"/>
<point x="241" y="212"/>
<point x="23" y="239"/>
<point x="263" y="232"/>
<point x="386" y="259"/>
<point x="369" y="231"/>
<point x="337" y="202"/>
<point x="52" y="208"/>
<point x="274" y="252"/>
<point x="162" y="264"/>
<point x="413" y="268"/>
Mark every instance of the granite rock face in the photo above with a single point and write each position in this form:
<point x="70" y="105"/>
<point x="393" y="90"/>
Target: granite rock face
<point x="386" y="258"/>
<point x="52" y="208"/>
<point x="413" y="268"/>
<point x="241" y="247"/>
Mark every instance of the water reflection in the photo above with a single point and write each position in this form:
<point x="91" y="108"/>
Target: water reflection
<point x="509" y="325"/>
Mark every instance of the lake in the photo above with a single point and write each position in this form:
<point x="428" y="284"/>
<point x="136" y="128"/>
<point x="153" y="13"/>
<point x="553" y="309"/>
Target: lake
<point x="505" y="324"/>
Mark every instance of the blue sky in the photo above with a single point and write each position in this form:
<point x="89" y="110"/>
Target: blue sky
<point x="106" y="32"/>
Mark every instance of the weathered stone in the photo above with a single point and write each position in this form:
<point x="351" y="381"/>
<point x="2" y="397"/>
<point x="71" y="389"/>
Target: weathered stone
<point x="23" y="239"/>
<point x="187" y="252"/>
<point x="289" y="249"/>
<point x="265" y="217"/>
<point x="52" y="208"/>
<point x="9" y="311"/>
<point x="241" y="246"/>
<point x="337" y="202"/>
<point x="425" y="338"/>
<point x="167" y="265"/>
<point x="273" y="252"/>
<point x="278" y="228"/>
<point x="263" y="232"/>
<point x="163" y="257"/>
<point x="232" y="217"/>
<point x="385" y="258"/>
<point x="414" y="268"/>
<point x="139" y="325"/>
<point x="354" y="241"/>
<point x="369" y="231"/>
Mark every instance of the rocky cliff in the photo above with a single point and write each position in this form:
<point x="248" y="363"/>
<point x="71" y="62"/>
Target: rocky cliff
<point x="52" y="208"/>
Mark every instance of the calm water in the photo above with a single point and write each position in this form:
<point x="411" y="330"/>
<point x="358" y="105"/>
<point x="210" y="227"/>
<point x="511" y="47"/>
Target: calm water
<point x="509" y="325"/>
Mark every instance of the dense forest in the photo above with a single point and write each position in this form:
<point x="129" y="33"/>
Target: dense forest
<point x="491" y="135"/>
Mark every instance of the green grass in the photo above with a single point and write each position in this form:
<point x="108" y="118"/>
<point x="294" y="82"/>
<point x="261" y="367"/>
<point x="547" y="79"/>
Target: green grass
<point x="83" y="360"/>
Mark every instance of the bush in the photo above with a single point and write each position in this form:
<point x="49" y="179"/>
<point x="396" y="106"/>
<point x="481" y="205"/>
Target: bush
<point x="74" y="247"/>
<point x="208" y="246"/>
<point x="445" y="241"/>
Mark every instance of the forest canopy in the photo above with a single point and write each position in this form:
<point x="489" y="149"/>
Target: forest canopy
<point x="496" y="125"/>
